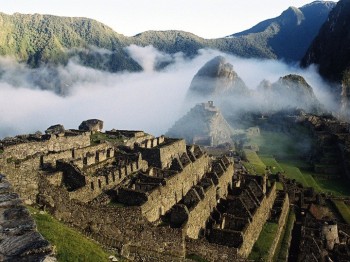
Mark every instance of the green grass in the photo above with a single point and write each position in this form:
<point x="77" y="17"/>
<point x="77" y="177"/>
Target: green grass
<point x="340" y="187"/>
<point x="270" y="161"/>
<point x="69" y="243"/>
<point x="279" y="186"/>
<point x="343" y="209"/>
<point x="264" y="242"/>
<point x="293" y="172"/>
<point x="280" y="144"/>
<point x="255" y="165"/>
<point x="283" y="245"/>
<point x="97" y="137"/>
<point x="282" y="152"/>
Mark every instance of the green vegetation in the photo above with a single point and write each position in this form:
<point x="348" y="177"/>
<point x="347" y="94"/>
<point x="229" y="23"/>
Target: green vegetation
<point x="279" y="186"/>
<point x="283" y="245"/>
<point x="271" y="162"/>
<point x="291" y="171"/>
<point x="70" y="244"/>
<point x="254" y="165"/>
<point x="98" y="137"/>
<point x="282" y="145"/>
<point x="343" y="209"/>
<point x="263" y="244"/>
<point x="195" y="257"/>
<point x="37" y="39"/>
<point x="281" y="153"/>
<point x="338" y="187"/>
<point x="298" y="170"/>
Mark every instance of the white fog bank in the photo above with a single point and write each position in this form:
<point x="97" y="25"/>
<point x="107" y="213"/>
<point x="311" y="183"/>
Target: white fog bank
<point x="150" y="100"/>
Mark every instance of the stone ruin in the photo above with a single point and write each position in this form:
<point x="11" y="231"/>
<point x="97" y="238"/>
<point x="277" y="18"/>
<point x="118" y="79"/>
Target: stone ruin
<point x="148" y="198"/>
<point x="318" y="234"/>
<point x="203" y="125"/>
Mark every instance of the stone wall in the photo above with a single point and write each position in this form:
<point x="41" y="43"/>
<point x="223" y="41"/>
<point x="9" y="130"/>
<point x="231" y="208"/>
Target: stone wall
<point x="124" y="227"/>
<point x="20" y="241"/>
<point x="95" y="185"/>
<point x="162" y="198"/>
<point x="50" y="159"/>
<point x="23" y="162"/>
<point x="23" y="175"/>
<point x="281" y="226"/>
<point x="162" y="155"/>
<point x="174" y="149"/>
<point x="55" y="143"/>
<point x="210" y="252"/>
<point x="83" y="151"/>
<point x="253" y="229"/>
<point x="198" y="216"/>
<point x="105" y="179"/>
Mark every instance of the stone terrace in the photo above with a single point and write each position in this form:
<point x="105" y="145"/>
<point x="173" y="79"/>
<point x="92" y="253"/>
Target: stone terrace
<point x="238" y="220"/>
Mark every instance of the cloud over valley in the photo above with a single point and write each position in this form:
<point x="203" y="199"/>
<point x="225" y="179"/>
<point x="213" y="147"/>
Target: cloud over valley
<point x="151" y="100"/>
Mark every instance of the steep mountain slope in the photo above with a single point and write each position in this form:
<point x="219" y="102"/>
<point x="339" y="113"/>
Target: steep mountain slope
<point x="330" y="49"/>
<point x="216" y="79"/>
<point x="44" y="38"/>
<point x="290" y="91"/>
<point x="290" y="34"/>
<point x="37" y="39"/>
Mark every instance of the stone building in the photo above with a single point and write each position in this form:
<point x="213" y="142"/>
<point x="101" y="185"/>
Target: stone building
<point x="150" y="198"/>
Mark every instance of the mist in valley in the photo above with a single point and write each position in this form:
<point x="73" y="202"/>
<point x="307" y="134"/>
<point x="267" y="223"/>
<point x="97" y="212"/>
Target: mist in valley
<point x="151" y="100"/>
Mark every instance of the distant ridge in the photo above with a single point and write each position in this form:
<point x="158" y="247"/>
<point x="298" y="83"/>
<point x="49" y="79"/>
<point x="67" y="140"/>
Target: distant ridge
<point x="36" y="39"/>
<point x="290" y="34"/>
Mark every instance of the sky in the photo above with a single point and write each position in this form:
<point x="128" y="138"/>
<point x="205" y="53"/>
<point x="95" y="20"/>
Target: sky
<point x="205" y="18"/>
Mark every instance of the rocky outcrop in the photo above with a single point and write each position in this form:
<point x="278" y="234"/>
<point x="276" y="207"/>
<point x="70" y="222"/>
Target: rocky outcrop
<point x="216" y="79"/>
<point x="91" y="125"/>
<point x="330" y="49"/>
<point x="19" y="239"/>
<point x="203" y="124"/>
<point x="55" y="130"/>
<point x="290" y="91"/>
<point x="345" y="97"/>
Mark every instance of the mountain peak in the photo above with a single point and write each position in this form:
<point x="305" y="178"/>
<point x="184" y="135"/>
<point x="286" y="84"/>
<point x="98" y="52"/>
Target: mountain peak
<point x="292" y="15"/>
<point x="282" y="34"/>
<point x="216" y="78"/>
<point x="217" y="67"/>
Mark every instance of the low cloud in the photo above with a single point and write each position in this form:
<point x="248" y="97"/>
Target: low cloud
<point x="149" y="58"/>
<point x="149" y="100"/>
